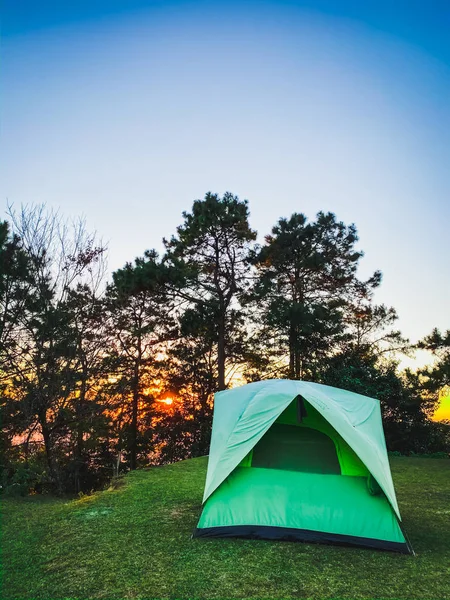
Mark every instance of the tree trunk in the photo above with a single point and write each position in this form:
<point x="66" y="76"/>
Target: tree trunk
<point x="48" y="446"/>
<point x="79" y="446"/>
<point x="298" y="363"/>
<point x="79" y="439"/>
<point x="116" y="465"/>
<point x="134" y="418"/>
<point x="78" y="457"/>
<point x="291" y="351"/>
<point x="221" y="354"/>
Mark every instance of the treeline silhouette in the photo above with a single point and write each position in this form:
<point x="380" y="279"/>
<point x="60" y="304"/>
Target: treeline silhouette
<point x="98" y="377"/>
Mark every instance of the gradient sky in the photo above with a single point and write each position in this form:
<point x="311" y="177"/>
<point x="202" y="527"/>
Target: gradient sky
<point x="125" y="111"/>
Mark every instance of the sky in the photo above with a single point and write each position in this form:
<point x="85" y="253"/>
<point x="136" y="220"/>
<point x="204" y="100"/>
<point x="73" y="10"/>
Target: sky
<point x="126" y="111"/>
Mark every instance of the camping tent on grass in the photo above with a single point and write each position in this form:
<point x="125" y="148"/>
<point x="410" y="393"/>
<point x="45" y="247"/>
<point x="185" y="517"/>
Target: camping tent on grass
<point x="296" y="460"/>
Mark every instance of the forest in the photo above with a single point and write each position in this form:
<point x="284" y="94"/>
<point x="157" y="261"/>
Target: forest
<point x="101" y="374"/>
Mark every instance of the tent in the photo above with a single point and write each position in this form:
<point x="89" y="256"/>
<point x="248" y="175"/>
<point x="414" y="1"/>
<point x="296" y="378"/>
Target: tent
<point x="296" y="460"/>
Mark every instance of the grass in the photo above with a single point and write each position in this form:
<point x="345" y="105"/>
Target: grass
<point x="134" y="542"/>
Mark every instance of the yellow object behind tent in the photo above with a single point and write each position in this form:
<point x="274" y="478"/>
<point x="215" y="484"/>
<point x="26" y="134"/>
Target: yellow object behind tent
<point x="442" y="412"/>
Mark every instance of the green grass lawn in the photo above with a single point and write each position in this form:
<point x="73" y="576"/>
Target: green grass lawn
<point x="135" y="542"/>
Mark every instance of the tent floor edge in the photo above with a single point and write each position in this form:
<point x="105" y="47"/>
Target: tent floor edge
<point x="264" y="532"/>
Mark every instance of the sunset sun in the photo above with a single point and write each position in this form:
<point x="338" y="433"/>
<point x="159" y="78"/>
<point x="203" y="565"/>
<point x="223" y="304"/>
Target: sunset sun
<point x="167" y="400"/>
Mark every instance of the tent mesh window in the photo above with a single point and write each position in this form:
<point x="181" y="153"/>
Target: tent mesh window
<point x="293" y="448"/>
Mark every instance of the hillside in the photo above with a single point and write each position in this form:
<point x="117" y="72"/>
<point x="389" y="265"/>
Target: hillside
<point x="134" y="542"/>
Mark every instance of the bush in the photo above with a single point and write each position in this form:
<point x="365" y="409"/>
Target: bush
<point x="23" y="478"/>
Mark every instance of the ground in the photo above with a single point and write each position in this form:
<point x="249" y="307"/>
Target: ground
<point x="135" y="542"/>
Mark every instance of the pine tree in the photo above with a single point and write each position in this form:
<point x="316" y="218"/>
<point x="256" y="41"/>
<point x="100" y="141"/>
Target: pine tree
<point x="140" y="321"/>
<point x="305" y="271"/>
<point x="209" y="262"/>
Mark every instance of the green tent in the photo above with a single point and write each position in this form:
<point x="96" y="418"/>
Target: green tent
<point x="296" y="460"/>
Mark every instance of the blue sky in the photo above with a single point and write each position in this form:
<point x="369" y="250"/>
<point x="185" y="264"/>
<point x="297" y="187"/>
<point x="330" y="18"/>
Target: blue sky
<point x="126" y="111"/>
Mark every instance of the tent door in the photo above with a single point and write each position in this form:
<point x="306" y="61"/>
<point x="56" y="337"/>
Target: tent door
<point x="293" y="448"/>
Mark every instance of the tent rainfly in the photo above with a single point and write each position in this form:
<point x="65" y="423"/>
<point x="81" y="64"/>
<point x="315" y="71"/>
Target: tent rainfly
<point x="294" y="460"/>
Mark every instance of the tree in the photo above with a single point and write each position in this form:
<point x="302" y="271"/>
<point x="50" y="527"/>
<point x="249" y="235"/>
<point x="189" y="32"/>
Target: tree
<point x="15" y="282"/>
<point x="209" y="263"/>
<point x="39" y="361"/>
<point x="191" y="376"/>
<point x="369" y="328"/>
<point x="305" y="272"/>
<point x="89" y="337"/>
<point x="140" y="322"/>
<point x="439" y="345"/>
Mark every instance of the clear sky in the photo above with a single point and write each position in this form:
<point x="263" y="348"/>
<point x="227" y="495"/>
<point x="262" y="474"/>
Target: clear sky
<point x="126" y="111"/>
